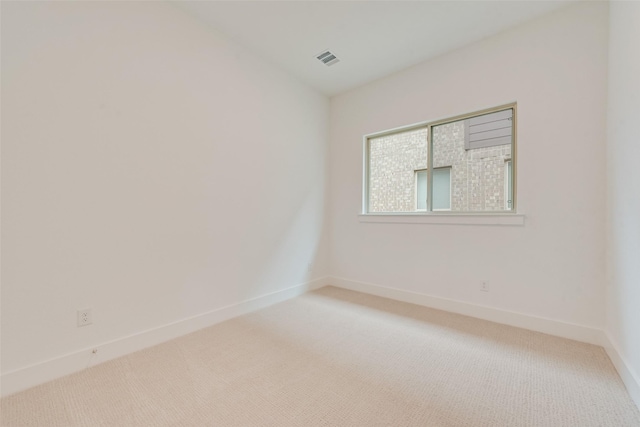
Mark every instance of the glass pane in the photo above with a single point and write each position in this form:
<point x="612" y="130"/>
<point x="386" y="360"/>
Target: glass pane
<point x="477" y="171"/>
<point x="441" y="189"/>
<point x="393" y="160"/>
<point x="421" y="190"/>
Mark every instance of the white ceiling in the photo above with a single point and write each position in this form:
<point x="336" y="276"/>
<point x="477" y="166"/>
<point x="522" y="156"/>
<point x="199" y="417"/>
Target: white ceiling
<point x="371" y="38"/>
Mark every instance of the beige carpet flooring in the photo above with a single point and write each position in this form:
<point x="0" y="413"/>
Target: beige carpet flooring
<point x="339" y="358"/>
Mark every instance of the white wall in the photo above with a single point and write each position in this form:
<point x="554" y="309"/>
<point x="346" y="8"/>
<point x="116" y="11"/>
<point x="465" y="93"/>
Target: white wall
<point x="623" y="197"/>
<point x="154" y="171"/>
<point x="553" y="266"/>
<point x="151" y="170"/>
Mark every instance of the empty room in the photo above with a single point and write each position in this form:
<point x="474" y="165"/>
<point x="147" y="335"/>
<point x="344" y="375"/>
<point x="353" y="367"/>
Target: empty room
<point x="320" y="213"/>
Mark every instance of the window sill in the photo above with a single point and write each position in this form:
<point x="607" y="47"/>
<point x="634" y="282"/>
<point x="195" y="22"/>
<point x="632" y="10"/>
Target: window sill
<point x="448" y="218"/>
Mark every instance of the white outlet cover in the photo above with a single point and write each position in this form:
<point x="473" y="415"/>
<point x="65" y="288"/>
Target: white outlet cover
<point x="484" y="286"/>
<point x="85" y="317"/>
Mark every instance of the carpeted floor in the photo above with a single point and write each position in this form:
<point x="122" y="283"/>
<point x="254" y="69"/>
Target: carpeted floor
<point x="339" y="358"/>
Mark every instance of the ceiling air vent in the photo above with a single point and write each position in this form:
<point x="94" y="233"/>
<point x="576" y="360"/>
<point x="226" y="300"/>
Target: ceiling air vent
<point x="327" y="58"/>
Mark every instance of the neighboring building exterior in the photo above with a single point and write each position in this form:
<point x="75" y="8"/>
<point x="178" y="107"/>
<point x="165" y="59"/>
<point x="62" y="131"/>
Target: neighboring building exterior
<point x="477" y="179"/>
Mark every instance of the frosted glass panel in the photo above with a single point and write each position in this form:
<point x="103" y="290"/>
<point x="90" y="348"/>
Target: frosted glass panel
<point x="421" y="190"/>
<point x="441" y="189"/>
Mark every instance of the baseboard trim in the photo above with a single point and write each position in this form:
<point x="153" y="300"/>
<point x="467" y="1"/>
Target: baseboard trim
<point x="520" y="320"/>
<point x="30" y="376"/>
<point x="630" y="378"/>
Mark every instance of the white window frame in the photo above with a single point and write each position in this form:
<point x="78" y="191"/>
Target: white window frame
<point x="510" y="216"/>
<point x="508" y="165"/>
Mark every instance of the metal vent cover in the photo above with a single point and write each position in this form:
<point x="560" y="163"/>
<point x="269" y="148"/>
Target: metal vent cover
<point x="327" y="58"/>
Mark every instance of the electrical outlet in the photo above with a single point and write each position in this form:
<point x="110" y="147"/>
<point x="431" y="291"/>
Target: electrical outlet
<point x="85" y="317"/>
<point x="484" y="286"/>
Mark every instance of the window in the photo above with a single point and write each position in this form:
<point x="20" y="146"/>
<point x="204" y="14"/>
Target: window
<point x="421" y="190"/>
<point x="441" y="189"/>
<point x="463" y="164"/>
<point x="441" y="199"/>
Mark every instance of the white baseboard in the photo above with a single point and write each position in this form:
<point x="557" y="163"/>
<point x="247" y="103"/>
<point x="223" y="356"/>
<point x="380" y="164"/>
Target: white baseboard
<point x="630" y="378"/>
<point x="520" y="320"/>
<point x="540" y="324"/>
<point x="29" y="376"/>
